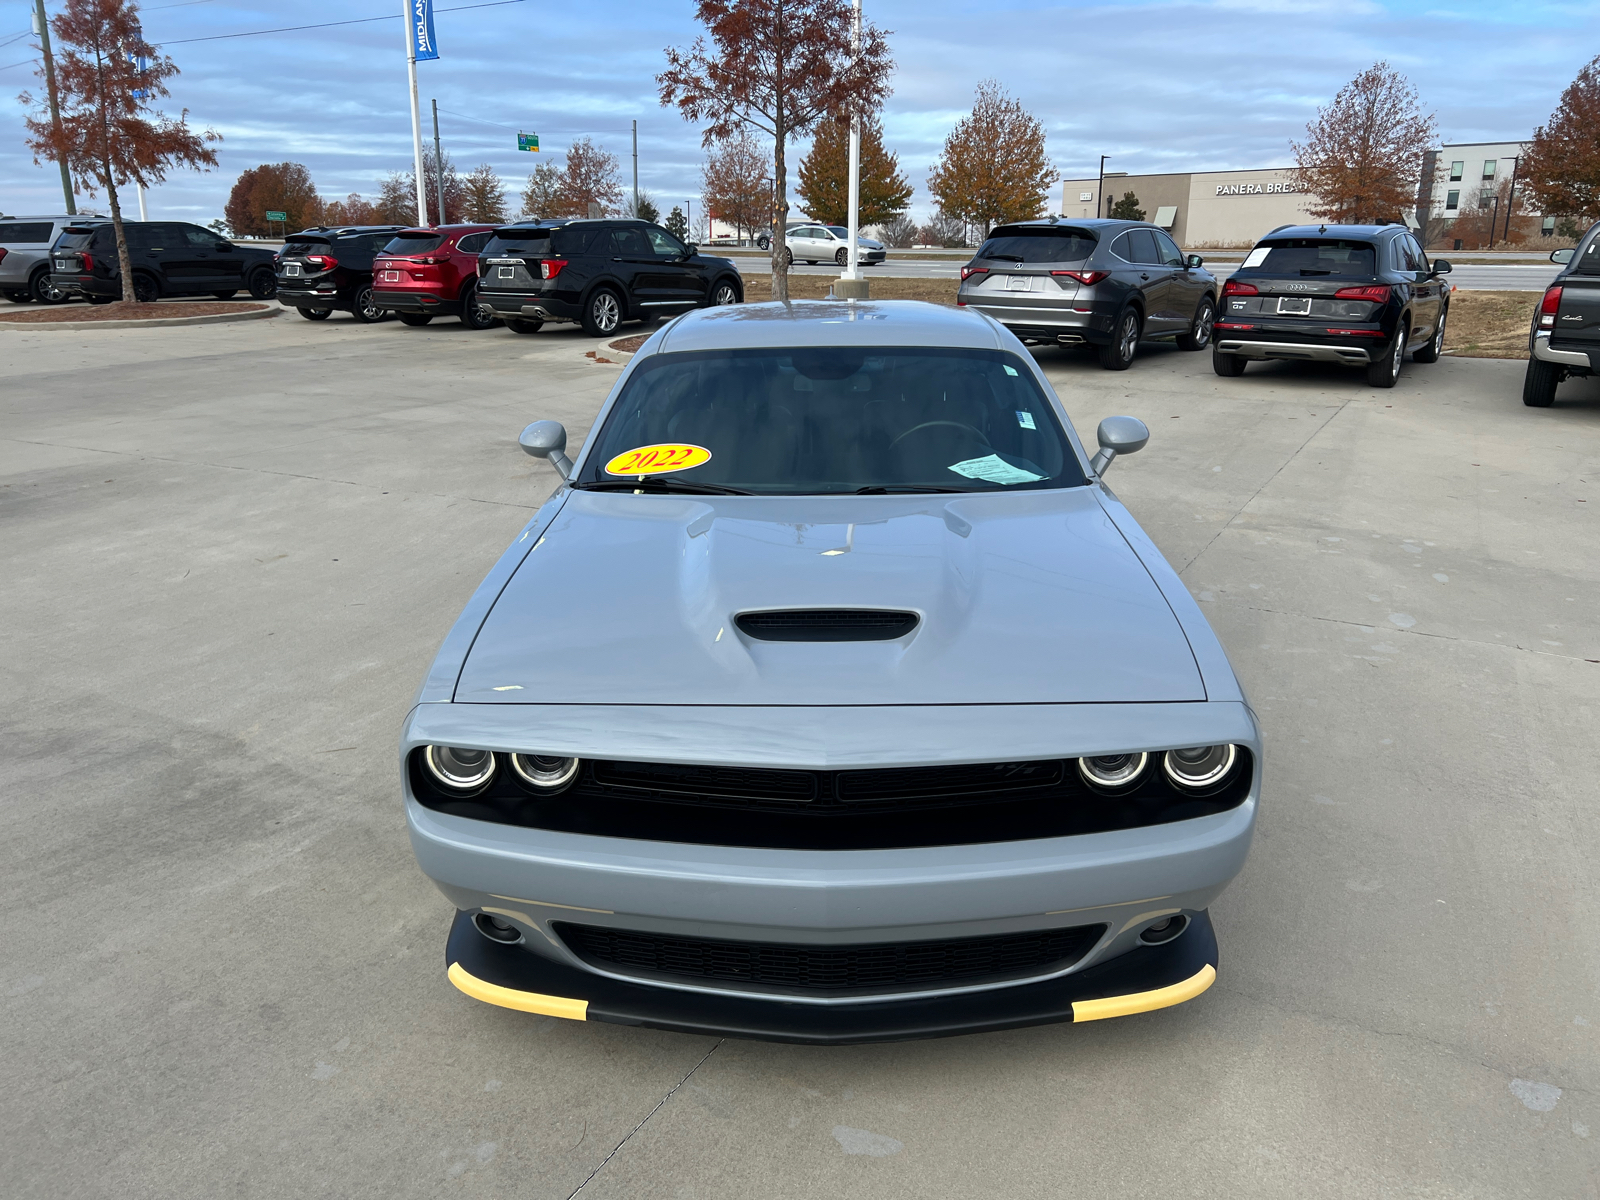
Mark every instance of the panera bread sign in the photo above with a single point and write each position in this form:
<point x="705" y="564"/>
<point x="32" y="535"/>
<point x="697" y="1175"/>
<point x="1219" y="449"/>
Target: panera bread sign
<point x="1255" y="189"/>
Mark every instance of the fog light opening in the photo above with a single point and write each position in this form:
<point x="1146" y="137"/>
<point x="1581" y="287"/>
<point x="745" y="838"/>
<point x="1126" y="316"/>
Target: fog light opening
<point x="1164" y="930"/>
<point x="497" y="929"/>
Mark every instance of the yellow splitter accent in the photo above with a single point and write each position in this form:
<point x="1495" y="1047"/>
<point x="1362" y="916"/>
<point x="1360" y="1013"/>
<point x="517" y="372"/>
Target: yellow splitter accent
<point x="1138" y="1002"/>
<point x="533" y="1002"/>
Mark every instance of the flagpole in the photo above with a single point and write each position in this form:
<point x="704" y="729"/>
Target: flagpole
<point x="416" y="113"/>
<point x="853" y="271"/>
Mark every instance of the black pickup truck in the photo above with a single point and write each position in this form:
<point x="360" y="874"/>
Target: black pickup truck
<point x="1564" y="342"/>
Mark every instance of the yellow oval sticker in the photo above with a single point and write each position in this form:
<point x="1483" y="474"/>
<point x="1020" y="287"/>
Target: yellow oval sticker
<point x="658" y="460"/>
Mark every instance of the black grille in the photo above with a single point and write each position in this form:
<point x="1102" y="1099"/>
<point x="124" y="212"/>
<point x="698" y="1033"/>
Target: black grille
<point x="827" y="625"/>
<point x="731" y="783"/>
<point x="833" y="970"/>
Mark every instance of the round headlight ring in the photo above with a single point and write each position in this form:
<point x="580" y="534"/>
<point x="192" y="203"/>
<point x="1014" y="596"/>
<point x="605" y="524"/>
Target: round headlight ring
<point x="545" y="772"/>
<point x="1198" y="767"/>
<point x="460" y="768"/>
<point x="1112" y="772"/>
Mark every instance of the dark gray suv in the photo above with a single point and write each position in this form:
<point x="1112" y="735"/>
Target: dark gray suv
<point x="1107" y="284"/>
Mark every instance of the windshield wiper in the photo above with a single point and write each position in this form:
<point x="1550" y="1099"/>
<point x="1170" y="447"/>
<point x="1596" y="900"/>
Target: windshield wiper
<point x="1308" y="271"/>
<point x="682" y="486"/>
<point x="878" y="489"/>
<point x="1006" y="257"/>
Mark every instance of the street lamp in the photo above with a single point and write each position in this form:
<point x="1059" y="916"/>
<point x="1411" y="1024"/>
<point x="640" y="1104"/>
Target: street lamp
<point x="1100" y="188"/>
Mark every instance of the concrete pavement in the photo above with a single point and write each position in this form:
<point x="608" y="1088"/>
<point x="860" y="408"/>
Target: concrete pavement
<point x="230" y="552"/>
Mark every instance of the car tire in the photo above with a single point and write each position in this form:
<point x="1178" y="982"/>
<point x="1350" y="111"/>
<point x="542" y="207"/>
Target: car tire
<point x="1229" y="366"/>
<point x="364" y="308"/>
<point x="1539" y="384"/>
<point x="811" y="262"/>
<point x="316" y="314"/>
<point x="226" y="295"/>
<point x="263" y="285"/>
<point x="1384" y="374"/>
<point x="415" y="319"/>
<point x="842" y="257"/>
<point x="102" y="299"/>
<point x="788" y="257"/>
<point x="1435" y="347"/>
<point x="1198" y="336"/>
<point x="1118" y="353"/>
<point x="472" y="316"/>
<point x="523" y="325"/>
<point x="145" y="289"/>
<point x="17" y="297"/>
<point x="602" y="313"/>
<point x="725" y="291"/>
<point x="40" y="288"/>
<point x="763" y="243"/>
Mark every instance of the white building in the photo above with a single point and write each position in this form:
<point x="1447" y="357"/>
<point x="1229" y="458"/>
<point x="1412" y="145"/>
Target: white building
<point x="1462" y="176"/>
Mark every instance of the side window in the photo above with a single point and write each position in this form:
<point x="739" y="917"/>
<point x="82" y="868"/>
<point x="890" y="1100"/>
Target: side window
<point x="1405" y="260"/>
<point x="1168" y="250"/>
<point x="197" y="238"/>
<point x="1123" y="248"/>
<point x="663" y="243"/>
<point x="629" y="241"/>
<point x="143" y="236"/>
<point x="1144" y="246"/>
<point x="1420" y="255"/>
<point x="473" y="243"/>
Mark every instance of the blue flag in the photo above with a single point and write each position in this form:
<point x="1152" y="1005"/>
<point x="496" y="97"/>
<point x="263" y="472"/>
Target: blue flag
<point x="422" y="43"/>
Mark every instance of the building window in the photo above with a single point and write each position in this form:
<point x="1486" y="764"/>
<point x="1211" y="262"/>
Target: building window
<point x="1486" y="198"/>
<point x="1488" y="168"/>
<point x="1452" y="201"/>
<point x="1455" y="171"/>
<point x="1547" y="227"/>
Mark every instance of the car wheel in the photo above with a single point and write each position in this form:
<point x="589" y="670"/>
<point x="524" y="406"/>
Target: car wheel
<point x="842" y="257"/>
<point x="263" y="285"/>
<point x="1384" y="374"/>
<point x="1199" y="335"/>
<point x="1435" y="347"/>
<point x="472" y="315"/>
<point x="1229" y="366"/>
<point x="45" y="292"/>
<point x="763" y="243"/>
<point x="364" y="307"/>
<point x="226" y="295"/>
<point x="145" y="289"/>
<point x="316" y="314"/>
<point x="725" y="293"/>
<point x="1539" y="384"/>
<point x="788" y="257"/>
<point x="603" y="313"/>
<point x="520" y="325"/>
<point x="415" y="318"/>
<point x="1117" y="354"/>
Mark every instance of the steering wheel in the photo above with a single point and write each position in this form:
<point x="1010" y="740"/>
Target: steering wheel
<point x="961" y="425"/>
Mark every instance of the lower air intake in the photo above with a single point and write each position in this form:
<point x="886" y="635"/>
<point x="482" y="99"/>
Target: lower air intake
<point x="827" y="625"/>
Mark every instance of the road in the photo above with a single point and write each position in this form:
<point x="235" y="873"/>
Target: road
<point x="231" y="551"/>
<point x="1510" y="277"/>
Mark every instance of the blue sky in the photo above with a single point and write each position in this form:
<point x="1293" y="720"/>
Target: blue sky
<point x="1207" y="84"/>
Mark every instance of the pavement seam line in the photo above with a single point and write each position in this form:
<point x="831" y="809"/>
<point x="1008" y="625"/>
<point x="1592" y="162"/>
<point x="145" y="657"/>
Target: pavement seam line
<point x="1265" y="483"/>
<point x="615" y="1149"/>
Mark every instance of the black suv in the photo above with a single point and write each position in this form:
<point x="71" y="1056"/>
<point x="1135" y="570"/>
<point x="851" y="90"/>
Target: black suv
<point x="321" y="269"/>
<point x="597" y="272"/>
<point x="169" y="258"/>
<point x="1564" y="342"/>
<point x="1361" y="295"/>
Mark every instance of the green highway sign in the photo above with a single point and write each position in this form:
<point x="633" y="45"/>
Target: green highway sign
<point x="277" y="216"/>
<point x="528" y="141"/>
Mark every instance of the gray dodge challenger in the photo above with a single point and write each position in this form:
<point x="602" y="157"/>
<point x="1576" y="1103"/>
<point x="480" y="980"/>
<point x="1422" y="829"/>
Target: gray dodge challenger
<point x="832" y="697"/>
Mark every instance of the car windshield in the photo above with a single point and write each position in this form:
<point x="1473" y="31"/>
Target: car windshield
<point x="833" y="421"/>
<point x="1314" y="256"/>
<point x="839" y="231"/>
<point x="1038" y="244"/>
<point x="414" y="243"/>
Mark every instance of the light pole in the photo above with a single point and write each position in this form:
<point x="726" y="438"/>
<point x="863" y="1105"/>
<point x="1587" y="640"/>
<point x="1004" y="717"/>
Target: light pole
<point x="438" y="160"/>
<point x="854" y="287"/>
<point x="41" y="26"/>
<point x="1100" y="188"/>
<point x="636" y="168"/>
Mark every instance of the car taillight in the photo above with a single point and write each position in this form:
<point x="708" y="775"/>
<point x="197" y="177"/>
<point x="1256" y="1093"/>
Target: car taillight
<point x="88" y="260"/>
<point x="1378" y="293"/>
<point x="549" y="268"/>
<point x="1240" y="289"/>
<point x="323" y="262"/>
<point x="1548" y="307"/>
<point x="969" y="272"/>
<point x="1377" y="333"/>
<point x="2" y="254"/>
<point x="1087" y="278"/>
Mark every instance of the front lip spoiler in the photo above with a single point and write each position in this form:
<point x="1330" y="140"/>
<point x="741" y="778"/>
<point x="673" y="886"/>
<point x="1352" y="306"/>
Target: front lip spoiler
<point x="1142" y="980"/>
<point x="1302" y="351"/>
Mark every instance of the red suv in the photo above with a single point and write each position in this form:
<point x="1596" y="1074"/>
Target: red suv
<point x="423" y="273"/>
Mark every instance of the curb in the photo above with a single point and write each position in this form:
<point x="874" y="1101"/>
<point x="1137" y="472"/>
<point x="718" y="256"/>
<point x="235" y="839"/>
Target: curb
<point x="144" y="322"/>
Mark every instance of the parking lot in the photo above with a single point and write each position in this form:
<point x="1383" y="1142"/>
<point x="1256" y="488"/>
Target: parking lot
<point x="231" y="551"/>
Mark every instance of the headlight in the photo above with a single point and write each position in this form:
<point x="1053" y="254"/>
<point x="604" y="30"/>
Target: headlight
<point x="544" y="772"/>
<point x="1199" y="766"/>
<point x="1112" y="770"/>
<point x="458" y="768"/>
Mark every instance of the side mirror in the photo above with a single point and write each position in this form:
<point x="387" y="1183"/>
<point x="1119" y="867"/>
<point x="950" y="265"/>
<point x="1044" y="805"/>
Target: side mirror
<point x="1194" y="262"/>
<point x="1561" y="256"/>
<point x="1441" y="267"/>
<point x="694" y="247"/>
<point x="548" y="439"/>
<point x="224" y="247"/>
<point x="1118" y="435"/>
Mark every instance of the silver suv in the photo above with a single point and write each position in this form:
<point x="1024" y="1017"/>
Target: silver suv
<point x="25" y="258"/>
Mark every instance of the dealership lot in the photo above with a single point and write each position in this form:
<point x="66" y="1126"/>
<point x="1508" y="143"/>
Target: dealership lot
<point x="232" y="550"/>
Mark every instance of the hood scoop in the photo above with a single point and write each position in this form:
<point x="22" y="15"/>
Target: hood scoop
<point x="826" y="624"/>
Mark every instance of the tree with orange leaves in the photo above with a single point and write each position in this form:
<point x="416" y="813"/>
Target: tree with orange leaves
<point x="1562" y="165"/>
<point x="778" y="68"/>
<point x="1363" y="152"/>
<point x="106" y="75"/>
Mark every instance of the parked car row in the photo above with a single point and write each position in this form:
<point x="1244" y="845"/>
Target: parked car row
<point x="168" y="258"/>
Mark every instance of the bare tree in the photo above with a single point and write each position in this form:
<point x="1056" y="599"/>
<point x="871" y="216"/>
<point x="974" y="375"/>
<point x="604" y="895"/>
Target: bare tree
<point x="1363" y="152"/>
<point x="272" y="187"/>
<point x="943" y="230"/>
<point x="900" y="231"/>
<point x="483" y="196"/>
<point x="825" y="176"/>
<point x="397" y="200"/>
<point x="1562" y="165"/>
<point x="109" y="137"/>
<point x="993" y="168"/>
<point x="778" y="67"/>
<point x="454" y="191"/>
<point x="736" y="183"/>
<point x="542" y="197"/>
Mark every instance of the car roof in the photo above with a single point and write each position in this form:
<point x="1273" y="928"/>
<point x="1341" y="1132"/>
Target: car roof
<point x="463" y="227"/>
<point x="340" y="230"/>
<point x="1335" y="231"/>
<point x="802" y="323"/>
<point x="72" y="219"/>
<point x="1084" y="223"/>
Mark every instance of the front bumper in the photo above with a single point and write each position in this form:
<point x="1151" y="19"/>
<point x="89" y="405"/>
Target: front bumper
<point x="1142" y="980"/>
<point x="1350" y="356"/>
<point x="1584" y="360"/>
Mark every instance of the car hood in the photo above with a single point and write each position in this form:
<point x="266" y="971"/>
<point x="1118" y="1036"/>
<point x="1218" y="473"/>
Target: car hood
<point x="1023" y="598"/>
